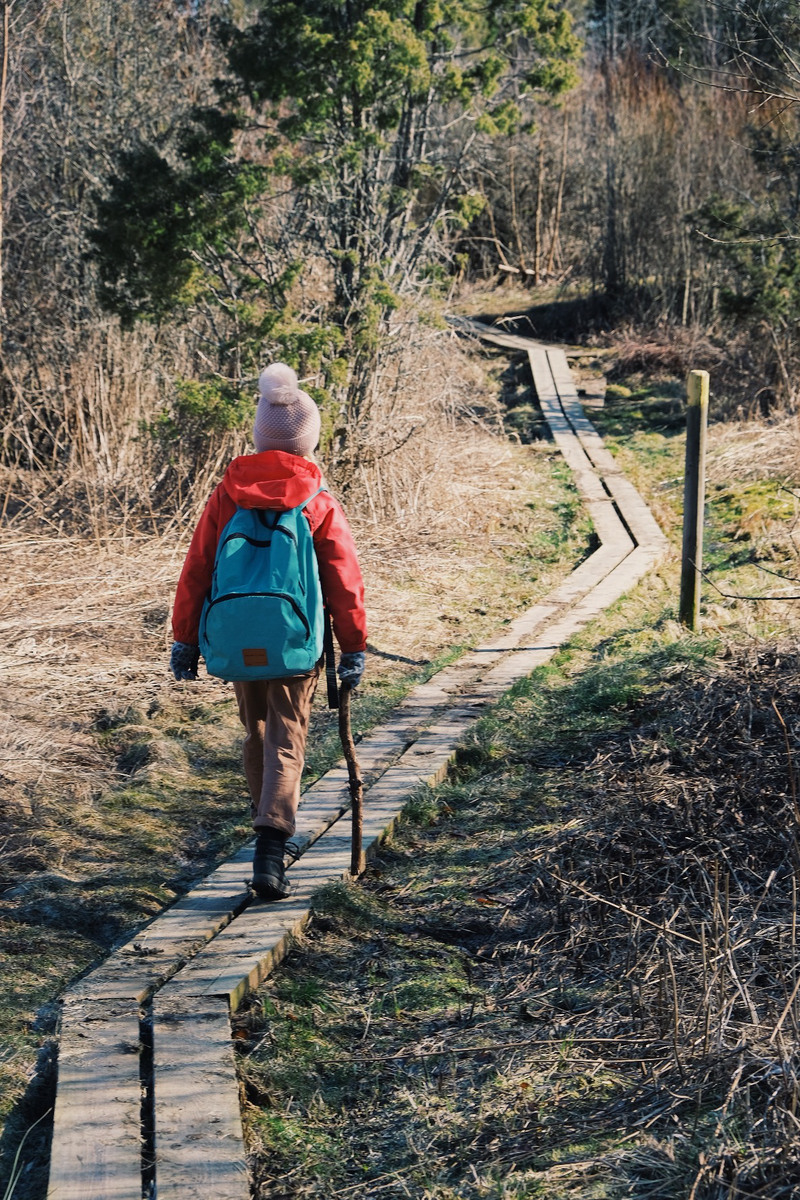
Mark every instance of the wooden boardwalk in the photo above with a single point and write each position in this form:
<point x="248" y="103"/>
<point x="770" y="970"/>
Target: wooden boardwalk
<point x="148" y="1099"/>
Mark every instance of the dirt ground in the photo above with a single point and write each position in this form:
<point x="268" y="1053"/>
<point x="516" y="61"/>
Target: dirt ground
<point x="575" y="973"/>
<point x="118" y="786"/>
<point x="121" y="787"/>
<point x="86" y="624"/>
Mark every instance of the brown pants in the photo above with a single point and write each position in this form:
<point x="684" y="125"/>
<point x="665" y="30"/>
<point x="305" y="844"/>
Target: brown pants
<point x="275" y="714"/>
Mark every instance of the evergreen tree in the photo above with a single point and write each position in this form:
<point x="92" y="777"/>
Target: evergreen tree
<point x="344" y="133"/>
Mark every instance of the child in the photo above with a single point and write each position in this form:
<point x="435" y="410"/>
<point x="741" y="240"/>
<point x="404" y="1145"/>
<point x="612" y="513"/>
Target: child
<point x="275" y="712"/>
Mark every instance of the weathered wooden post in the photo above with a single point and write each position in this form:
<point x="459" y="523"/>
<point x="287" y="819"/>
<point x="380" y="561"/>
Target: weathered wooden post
<point x="694" y="493"/>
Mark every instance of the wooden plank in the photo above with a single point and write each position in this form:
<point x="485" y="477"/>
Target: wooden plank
<point x="243" y="954"/>
<point x="589" y="573"/>
<point x="592" y="393"/>
<point x="154" y="954"/>
<point x="619" y="581"/>
<point x="562" y="376"/>
<point x="607" y="524"/>
<point x="161" y="949"/>
<point x="635" y="512"/>
<point x="96" y="1148"/>
<point x="589" y="438"/>
<point x="521" y="627"/>
<point x="637" y="515"/>
<point x="610" y="529"/>
<point x="552" y="408"/>
<point x="541" y="372"/>
<point x="608" y="590"/>
<point x="490" y="333"/>
<point x="586" y="479"/>
<point x="145" y="963"/>
<point x="200" y="1152"/>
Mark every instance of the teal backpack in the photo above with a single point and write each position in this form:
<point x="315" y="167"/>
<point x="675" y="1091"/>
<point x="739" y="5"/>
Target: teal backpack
<point x="264" y="616"/>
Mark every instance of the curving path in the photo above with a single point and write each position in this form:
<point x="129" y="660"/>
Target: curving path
<point x="148" y="1100"/>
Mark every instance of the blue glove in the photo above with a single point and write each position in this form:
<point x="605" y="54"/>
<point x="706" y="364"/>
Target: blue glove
<point x="351" y="668"/>
<point x="183" y="660"/>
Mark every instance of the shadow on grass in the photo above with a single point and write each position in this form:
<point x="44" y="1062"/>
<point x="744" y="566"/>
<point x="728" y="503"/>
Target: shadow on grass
<point x="513" y="930"/>
<point x="575" y="319"/>
<point x="26" y="1138"/>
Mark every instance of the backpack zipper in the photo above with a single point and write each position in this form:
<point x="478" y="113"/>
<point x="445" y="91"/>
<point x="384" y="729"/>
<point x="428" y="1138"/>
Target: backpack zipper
<point x="279" y="595"/>
<point x="256" y="541"/>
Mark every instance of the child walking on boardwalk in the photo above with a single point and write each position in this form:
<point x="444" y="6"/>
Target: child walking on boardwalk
<point x="281" y="476"/>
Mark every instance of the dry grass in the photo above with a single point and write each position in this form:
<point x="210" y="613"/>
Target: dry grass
<point x="85" y="621"/>
<point x="119" y="786"/>
<point x="744" y="451"/>
<point x="454" y="563"/>
<point x="85" y="625"/>
<point x="576" y="975"/>
<point x="84" y="630"/>
<point x="85" y="458"/>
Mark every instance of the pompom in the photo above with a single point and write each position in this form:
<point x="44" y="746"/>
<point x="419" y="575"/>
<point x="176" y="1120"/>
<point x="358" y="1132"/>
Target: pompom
<point x="286" y="418"/>
<point x="278" y="384"/>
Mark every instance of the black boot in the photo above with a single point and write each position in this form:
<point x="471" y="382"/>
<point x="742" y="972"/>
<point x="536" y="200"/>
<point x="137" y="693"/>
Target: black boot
<point x="269" y="876"/>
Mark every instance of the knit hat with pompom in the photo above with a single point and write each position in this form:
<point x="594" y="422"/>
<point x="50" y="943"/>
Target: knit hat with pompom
<point x="286" y="418"/>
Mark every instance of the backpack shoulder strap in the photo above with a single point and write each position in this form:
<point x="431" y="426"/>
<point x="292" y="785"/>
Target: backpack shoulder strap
<point x="321" y="488"/>
<point x="329" y="651"/>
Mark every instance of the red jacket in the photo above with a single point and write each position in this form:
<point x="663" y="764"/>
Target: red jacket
<point x="277" y="481"/>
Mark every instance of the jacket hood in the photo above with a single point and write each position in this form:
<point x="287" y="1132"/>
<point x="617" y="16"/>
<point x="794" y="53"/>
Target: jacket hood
<point x="273" y="479"/>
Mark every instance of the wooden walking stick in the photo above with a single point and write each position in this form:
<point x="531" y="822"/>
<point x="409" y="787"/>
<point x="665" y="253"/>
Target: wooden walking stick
<point x="354" y="777"/>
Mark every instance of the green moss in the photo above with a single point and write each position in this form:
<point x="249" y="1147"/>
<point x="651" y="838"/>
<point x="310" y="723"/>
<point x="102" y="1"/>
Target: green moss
<point x="455" y="1036"/>
<point x="617" y="391"/>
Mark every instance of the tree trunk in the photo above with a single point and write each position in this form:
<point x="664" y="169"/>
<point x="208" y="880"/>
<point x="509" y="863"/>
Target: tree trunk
<point x="612" y="268"/>
<point x="559" y="197"/>
<point x="5" y="8"/>
<point x="537" y="223"/>
<point x="514" y="220"/>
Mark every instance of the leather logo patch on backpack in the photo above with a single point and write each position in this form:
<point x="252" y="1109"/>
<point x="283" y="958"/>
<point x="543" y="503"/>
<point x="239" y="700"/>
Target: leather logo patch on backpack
<point x="255" y="658"/>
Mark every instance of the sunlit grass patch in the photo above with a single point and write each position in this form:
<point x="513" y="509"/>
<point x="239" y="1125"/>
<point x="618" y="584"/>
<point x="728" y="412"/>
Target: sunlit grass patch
<point x="539" y="1054"/>
<point x="142" y="791"/>
<point x="553" y="1068"/>
<point x="444" y="1030"/>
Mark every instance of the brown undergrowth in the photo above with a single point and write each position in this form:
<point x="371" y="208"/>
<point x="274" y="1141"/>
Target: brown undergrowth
<point x="120" y="787"/>
<point x="575" y="974"/>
